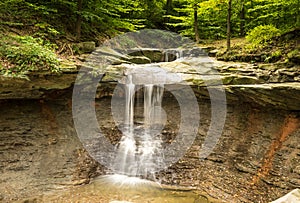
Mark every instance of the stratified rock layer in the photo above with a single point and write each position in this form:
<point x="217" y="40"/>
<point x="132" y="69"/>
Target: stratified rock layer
<point x="256" y="159"/>
<point x="269" y="84"/>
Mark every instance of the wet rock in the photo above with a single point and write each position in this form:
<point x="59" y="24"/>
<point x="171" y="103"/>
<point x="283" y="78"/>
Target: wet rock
<point x="38" y="86"/>
<point x="68" y="66"/>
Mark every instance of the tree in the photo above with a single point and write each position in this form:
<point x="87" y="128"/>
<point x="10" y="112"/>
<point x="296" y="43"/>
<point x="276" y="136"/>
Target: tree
<point x="196" y="23"/>
<point x="169" y="7"/>
<point x="242" y="18"/>
<point x="229" y="24"/>
<point x="79" y="20"/>
<point x="207" y="18"/>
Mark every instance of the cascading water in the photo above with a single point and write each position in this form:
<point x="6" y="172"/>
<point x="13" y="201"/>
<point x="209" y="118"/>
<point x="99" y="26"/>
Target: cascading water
<point x="149" y="152"/>
<point x="139" y="150"/>
<point x="127" y="146"/>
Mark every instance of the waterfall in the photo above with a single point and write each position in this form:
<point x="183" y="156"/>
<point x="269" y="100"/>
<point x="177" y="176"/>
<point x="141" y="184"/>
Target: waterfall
<point x="127" y="145"/>
<point x="139" y="151"/>
<point x="166" y="56"/>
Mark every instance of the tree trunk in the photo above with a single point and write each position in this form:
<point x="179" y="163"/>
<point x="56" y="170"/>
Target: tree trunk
<point x="78" y="20"/>
<point x="242" y="18"/>
<point x="169" y="6"/>
<point x="298" y="14"/>
<point x="196" y="23"/>
<point x="228" y="25"/>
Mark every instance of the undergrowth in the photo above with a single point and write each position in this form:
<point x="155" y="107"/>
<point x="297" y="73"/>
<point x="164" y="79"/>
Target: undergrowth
<point x="261" y="36"/>
<point x="22" y="54"/>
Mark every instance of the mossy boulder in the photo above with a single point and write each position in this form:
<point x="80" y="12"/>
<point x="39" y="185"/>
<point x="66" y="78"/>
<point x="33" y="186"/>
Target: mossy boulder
<point x="86" y="47"/>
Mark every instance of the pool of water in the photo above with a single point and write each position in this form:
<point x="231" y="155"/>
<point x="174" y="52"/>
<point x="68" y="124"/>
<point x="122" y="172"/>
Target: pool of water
<point x="123" y="189"/>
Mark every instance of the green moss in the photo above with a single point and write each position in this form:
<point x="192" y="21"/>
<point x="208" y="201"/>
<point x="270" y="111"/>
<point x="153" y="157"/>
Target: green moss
<point x="277" y="53"/>
<point x="294" y="53"/>
<point x="227" y="80"/>
<point x="198" y="82"/>
<point x="294" y="56"/>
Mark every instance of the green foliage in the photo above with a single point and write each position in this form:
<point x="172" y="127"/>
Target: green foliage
<point x="212" y="16"/>
<point x="246" y="15"/>
<point x="284" y="14"/>
<point x="262" y="35"/>
<point x="21" y="54"/>
<point x="54" y="19"/>
<point x="212" y="19"/>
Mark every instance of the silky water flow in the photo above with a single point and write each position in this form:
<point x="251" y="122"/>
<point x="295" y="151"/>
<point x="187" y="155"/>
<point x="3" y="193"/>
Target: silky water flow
<point x="139" y="150"/>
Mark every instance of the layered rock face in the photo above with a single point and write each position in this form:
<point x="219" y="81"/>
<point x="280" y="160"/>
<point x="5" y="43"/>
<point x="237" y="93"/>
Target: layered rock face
<point x="256" y="158"/>
<point x="266" y="84"/>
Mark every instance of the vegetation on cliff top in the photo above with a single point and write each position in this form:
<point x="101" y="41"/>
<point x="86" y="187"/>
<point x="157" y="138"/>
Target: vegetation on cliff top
<point x="265" y="23"/>
<point x="262" y="46"/>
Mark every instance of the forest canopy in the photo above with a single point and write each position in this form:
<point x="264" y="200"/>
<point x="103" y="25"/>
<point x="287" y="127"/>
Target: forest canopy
<point x="88" y="19"/>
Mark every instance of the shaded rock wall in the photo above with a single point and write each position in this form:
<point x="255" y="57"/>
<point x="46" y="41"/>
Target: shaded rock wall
<point x="256" y="159"/>
<point x="39" y="150"/>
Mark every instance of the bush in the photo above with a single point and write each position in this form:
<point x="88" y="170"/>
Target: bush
<point x="20" y="54"/>
<point x="262" y="35"/>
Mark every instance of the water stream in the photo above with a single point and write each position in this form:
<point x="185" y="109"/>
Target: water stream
<point x="139" y="148"/>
